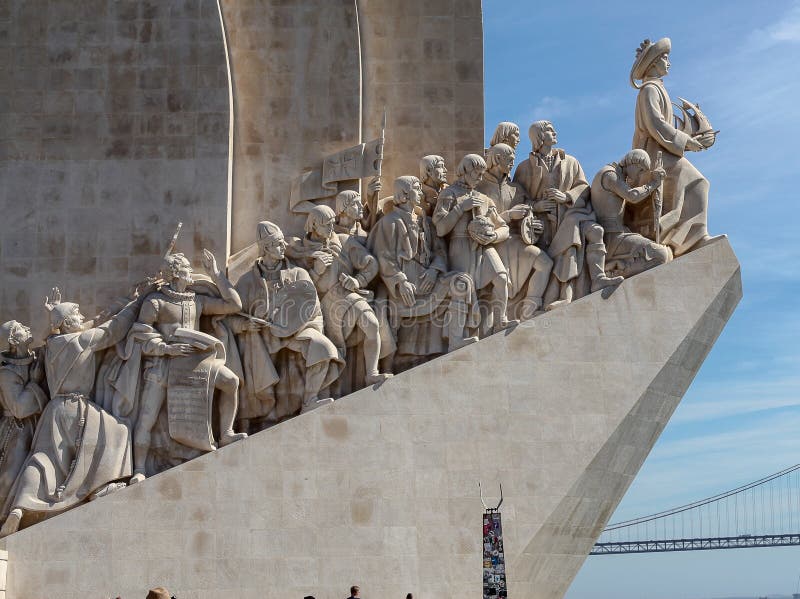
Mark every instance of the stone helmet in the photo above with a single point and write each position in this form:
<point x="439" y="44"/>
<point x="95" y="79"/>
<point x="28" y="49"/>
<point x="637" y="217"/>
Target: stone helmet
<point x="267" y="232"/>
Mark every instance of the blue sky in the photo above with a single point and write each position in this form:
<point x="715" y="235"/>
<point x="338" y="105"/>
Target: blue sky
<point x="569" y="62"/>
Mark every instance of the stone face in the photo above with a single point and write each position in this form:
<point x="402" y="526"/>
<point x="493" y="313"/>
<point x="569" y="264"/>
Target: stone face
<point x="114" y="125"/>
<point x="380" y="487"/>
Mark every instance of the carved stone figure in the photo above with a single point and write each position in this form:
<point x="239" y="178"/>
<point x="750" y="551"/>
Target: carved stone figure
<point x="349" y="212"/>
<point x="555" y="182"/>
<point x="182" y="365"/>
<point x="79" y="451"/>
<point x="614" y="187"/>
<point x="341" y="268"/>
<point x="528" y="265"/>
<point x="506" y="133"/>
<point x="22" y="399"/>
<point x="286" y="358"/>
<point x="683" y="223"/>
<point x="433" y="177"/>
<point x="472" y="226"/>
<point x="430" y="306"/>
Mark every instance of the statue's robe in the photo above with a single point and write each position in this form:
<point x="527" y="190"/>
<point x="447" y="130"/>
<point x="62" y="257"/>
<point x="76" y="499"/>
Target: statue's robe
<point x="22" y="400"/>
<point x="273" y="385"/>
<point x="78" y="447"/>
<point x="685" y="194"/>
<point x="563" y="239"/>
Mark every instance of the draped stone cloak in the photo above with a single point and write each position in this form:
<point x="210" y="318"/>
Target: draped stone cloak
<point x="22" y="401"/>
<point x="517" y="256"/>
<point x="78" y="447"/>
<point x="258" y="349"/>
<point x="685" y="195"/>
<point x="565" y="242"/>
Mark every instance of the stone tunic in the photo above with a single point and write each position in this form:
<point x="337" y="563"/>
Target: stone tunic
<point x="22" y="401"/>
<point x="685" y="196"/>
<point x="563" y="239"/>
<point x="259" y="349"/>
<point x="481" y="262"/>
<point x="78" y="447"/>
<point x="517" y="256"/>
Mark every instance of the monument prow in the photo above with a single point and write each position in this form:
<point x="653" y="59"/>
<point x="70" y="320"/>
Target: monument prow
<point x="379" y="487"/>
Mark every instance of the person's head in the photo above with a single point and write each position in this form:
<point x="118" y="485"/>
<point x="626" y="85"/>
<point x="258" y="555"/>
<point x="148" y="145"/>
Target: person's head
<point x="354" y="590"/>
<point x="271" y="244"/>
<point x="178" y="270"/>
<point x="65" y="317"/>
<point x="349" y="205"/>
<point x="635" y="164"/>
<point x="319" y="222"/>
<point x="309" y="597"/>
<point x="432" y="170"/>
<point x="542" y="133"/>
<point x="506" y="133"/>
<point x="407" y="192"/>
<point x="14" y="335"/>
<point x="158" y="593"/>
<point x="470" y="170"/>
<point x="652" y="60"/>
<point x="409" y="596"/>
<point x="501" y="157"/>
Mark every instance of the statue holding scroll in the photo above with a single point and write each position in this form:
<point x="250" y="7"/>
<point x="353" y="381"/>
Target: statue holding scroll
<point x="182" y="365"/>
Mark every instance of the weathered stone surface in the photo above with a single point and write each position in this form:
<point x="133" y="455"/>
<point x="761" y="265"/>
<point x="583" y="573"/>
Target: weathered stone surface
<point x="311" y="78"/>
<point x="380" y="487"/>
<point x="113" y="127"/>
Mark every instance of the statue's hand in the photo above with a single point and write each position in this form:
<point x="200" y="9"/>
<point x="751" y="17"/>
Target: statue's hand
<point x="693" y="145"/>
<point x="659" y="174"/>
<point x="471" y="202"/>
<point x="556" y="195"/>
<point x="374" y="186"/>
<point x="348" y="282"/>
<point x="180" y="349"/>
<point x="406" y="291"/>
<point x="544" y="206"/>
<point x="428" y="280"/>
<point x="518" y="212"/>
<point x="210" y="263"/>
<point x="322" y="260"/>
<point x="537" y="226"/>
<point x="253" y="325"/>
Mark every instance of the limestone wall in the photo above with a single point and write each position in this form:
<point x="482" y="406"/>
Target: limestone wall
<point x="313" y="77"/>
<point x="113" y="127"/>
<point x="379" y="489"/>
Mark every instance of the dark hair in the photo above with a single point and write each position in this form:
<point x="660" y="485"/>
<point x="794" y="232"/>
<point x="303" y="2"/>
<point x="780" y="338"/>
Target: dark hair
<point x="309" y="597"/>
<point x="354" y="590"/>
<point x="409" y="596"/>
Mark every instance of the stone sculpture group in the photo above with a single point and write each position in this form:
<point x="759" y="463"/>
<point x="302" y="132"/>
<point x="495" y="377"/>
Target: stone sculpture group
<point x="191" y="362"/>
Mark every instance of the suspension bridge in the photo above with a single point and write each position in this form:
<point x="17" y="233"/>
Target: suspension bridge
<point x="763" y="513"/>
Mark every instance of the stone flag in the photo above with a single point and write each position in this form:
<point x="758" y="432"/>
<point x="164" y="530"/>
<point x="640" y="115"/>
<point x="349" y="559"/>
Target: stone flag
<point x="357" y="162"/>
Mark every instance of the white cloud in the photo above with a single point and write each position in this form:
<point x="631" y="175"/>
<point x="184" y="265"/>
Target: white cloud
<point x="785" y="30"/>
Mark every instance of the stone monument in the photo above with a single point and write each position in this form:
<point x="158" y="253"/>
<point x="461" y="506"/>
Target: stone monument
<point x="317" y="411"/>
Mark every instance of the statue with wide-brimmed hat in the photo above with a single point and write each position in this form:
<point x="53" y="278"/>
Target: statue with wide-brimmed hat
<point x="682" y="222"/>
